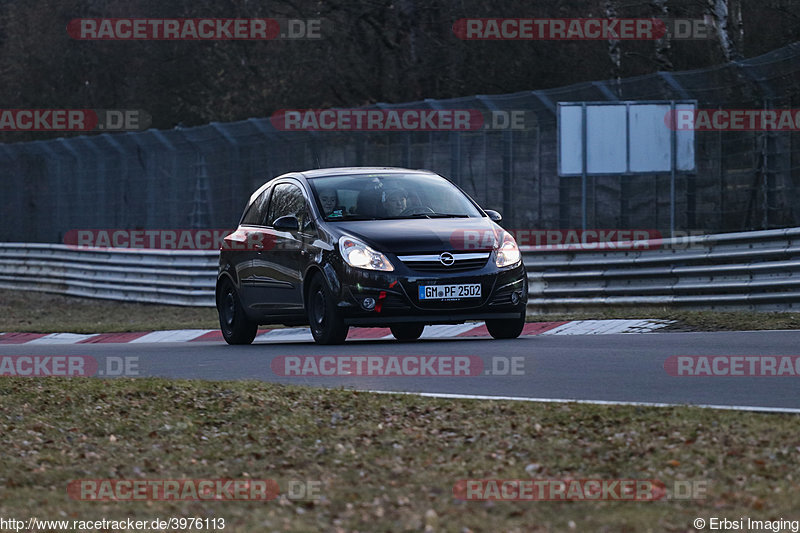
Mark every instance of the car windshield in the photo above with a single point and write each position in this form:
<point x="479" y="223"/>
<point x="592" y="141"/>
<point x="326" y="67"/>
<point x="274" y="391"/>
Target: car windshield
<point x="390" y="196"/>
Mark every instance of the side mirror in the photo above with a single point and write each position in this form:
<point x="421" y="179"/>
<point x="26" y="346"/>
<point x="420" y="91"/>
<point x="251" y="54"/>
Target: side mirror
<point x="287" y="223"/>
<point x="493" y="215"/>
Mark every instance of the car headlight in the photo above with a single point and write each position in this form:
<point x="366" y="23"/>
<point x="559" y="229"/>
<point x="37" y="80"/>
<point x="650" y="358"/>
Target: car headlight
<point x="508" y="252"/>
<point x="357" y="254"/>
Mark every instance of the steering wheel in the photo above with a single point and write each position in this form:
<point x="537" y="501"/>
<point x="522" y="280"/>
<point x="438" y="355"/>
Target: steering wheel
<point x="416" y="210"/>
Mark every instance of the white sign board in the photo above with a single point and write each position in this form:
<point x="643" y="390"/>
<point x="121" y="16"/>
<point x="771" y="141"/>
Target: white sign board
<point x="622" y="138"/>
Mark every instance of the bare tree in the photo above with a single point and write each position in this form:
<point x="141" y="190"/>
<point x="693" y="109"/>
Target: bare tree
<point x="614" y="49"/>
<point x="721" y="13"/>
<point x="662" y="44"/>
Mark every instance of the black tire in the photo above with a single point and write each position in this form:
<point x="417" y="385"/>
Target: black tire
<point x="236" y="327"/>
<point x="506" y="328"/>
<point x="324" y="317"/>
<point x="407" y="332"/>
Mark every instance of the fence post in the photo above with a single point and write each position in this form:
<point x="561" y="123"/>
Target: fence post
<point x="201" y="212"/>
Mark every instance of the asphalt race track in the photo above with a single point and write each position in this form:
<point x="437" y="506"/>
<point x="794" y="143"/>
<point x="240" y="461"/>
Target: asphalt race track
<point x="608" y="368"/>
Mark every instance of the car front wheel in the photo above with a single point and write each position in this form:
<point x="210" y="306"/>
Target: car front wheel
<point x="324" y="317"/>
<point x="506" y="328"/>
<point x="407" y="332"/>
<point x="236" y="327"/>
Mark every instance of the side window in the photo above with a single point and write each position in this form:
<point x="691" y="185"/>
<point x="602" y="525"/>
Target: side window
<point x="256" y="213"/>
<point x="289" y="200"/>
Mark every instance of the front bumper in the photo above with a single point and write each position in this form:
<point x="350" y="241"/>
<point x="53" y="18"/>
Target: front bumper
<point x="504" y="295"/>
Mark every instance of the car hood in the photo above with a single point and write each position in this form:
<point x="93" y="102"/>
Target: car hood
<point x="424" y="235"/>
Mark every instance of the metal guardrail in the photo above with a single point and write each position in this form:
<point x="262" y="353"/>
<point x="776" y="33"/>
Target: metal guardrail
<point x="757" y="270"/>
<point x="177" y="277"/>
<point x="753" y="270"/>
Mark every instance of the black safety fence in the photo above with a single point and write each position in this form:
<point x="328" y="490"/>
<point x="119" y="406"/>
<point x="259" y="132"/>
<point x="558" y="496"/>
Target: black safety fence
<point x="200" y="177"/>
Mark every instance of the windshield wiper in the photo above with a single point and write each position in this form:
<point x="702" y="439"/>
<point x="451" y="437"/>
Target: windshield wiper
<point x="429" y="215"/>
<point x="348" y="218"/>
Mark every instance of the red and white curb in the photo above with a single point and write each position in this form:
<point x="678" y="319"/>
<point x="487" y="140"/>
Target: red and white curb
<point x="573" y="327"/>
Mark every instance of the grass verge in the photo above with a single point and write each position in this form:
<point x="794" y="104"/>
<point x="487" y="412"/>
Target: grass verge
<point x="385" y="462"/>
<point x="51" y="313"/>
<point x="39" y="312"/>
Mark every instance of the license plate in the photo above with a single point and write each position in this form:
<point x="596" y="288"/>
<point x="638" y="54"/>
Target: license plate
<point x="446" y="292"/>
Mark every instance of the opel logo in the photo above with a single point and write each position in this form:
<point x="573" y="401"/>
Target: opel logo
<point x="447" y="259"/>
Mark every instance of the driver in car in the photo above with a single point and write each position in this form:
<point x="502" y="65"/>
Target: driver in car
<point x="395" y="202"/>
<point x="328" y="198"/>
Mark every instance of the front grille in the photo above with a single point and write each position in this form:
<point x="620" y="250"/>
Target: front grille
<point x="432" y="263"/>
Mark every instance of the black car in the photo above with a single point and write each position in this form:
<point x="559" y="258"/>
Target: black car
<point x="342" y="247"/>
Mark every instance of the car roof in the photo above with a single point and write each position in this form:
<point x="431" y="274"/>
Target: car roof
<point x="355" y="171"/>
